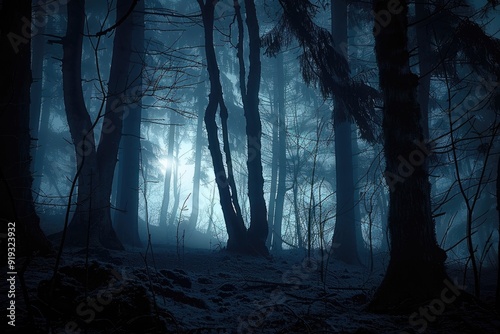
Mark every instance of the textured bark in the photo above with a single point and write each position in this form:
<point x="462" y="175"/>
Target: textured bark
<point x="344" y="237"/>
<point x="416" y="270"/>
<point x="126" y="217"/>
<point x="15" y="176"/>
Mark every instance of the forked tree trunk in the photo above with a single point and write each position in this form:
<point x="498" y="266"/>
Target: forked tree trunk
<point x="416" y="271"/>
<point x="234" y="222"/>
<point x="92" y="219"/>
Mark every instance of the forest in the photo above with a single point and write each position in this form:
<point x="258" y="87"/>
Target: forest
<point x="250" y="166"/>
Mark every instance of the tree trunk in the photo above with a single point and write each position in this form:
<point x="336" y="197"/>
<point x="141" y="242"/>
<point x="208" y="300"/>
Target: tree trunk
<point x="416" y="272"/>
<point x="298" y="228"/>
<point x="257" y="232"/>
<point x="280" y="195"/>
<point x="18" y="211"/>
<point x="195" y="199"/>
<point x="174" y="216"/>
<point x="168" y="170"/>
<point x="497" y="300"/>
<point x="344" y="236"/>
<point x="274" y="173"/>
<point x="37" y="58"/>
<point x="234" y="222"/>
<point x="424" y="64"/>
<point x="126" y="217"/>
<point x="43" y="131"/>
<point x="92" y="218"/>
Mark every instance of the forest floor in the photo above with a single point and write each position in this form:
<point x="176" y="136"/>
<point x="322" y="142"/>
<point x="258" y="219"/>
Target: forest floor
<point x="203" y="291"/>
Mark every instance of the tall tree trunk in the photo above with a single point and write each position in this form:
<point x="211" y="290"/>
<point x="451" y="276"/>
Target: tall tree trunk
<point x="258" y="230"/>
<point x="92" y="218"/>
<point x="43" y="131"/>
<point x="497" y="300"/>
<point x="174" y="216"/>
<point x="416" y="272"/>
<point x="37" y="58"/>
<point x="274" y="172"/>
<point x="168" y="170"/>
<point x="126" y="217"/>
<point x="15" y="176"/>
<point x="424" y="64"/>
<point x="195" y="199"/>
<point x="234" y="222"/>
<point x="345" y="229"/>
<point x="280" y="194"/>
<point x="298" y="227"/>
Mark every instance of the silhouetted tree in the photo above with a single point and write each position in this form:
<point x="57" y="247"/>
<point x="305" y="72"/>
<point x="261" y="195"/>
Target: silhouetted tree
<point x="95" y="163"/>
<point x="416" y="271"/>
<point x="15" y="144"/>
<point x="126" y="216"/>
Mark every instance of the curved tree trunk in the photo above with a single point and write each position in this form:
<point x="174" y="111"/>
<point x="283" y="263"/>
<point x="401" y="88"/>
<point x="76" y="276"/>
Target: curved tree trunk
<point x="416" y="271"/>
<point x="15" y="175"/>
<point x="92" y="219"/>
<point x="234" y="222"/>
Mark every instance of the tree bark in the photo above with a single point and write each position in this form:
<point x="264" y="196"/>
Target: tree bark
<point x="257" y="232"/>
<point x="37" y="58"/>
<point x="234" y="222"/>
<point x="92" y="218"/>
<point x="344" y="236"/>
<point x="126" y="217"/>
<point x="281" y="191"/>
<point x="17" y="211"/>
<point x="195" y="199"/>
<point x="416" y="272"/>
<point x="168" y="170"/>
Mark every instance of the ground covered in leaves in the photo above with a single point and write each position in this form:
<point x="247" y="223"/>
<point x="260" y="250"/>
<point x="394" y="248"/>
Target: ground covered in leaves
<point x="174" y="290"/>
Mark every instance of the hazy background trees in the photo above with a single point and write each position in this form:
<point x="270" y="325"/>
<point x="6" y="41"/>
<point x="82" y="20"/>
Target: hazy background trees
<point x="317" y="96"/>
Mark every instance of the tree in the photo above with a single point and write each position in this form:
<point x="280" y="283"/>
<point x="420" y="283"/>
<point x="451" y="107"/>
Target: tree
<point x="416" y="271"/>
<point x="91" y="221"/>
<point x="168" y="169"/>
<point x="240" y="239"/>
<point x="258" y="230"/>
<point x="281" y="154"/>
<point x="18" y="210"/>
<point x="344" y="236"/>
<point x="126" y="216"/>
<point x="235" y="225"/>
